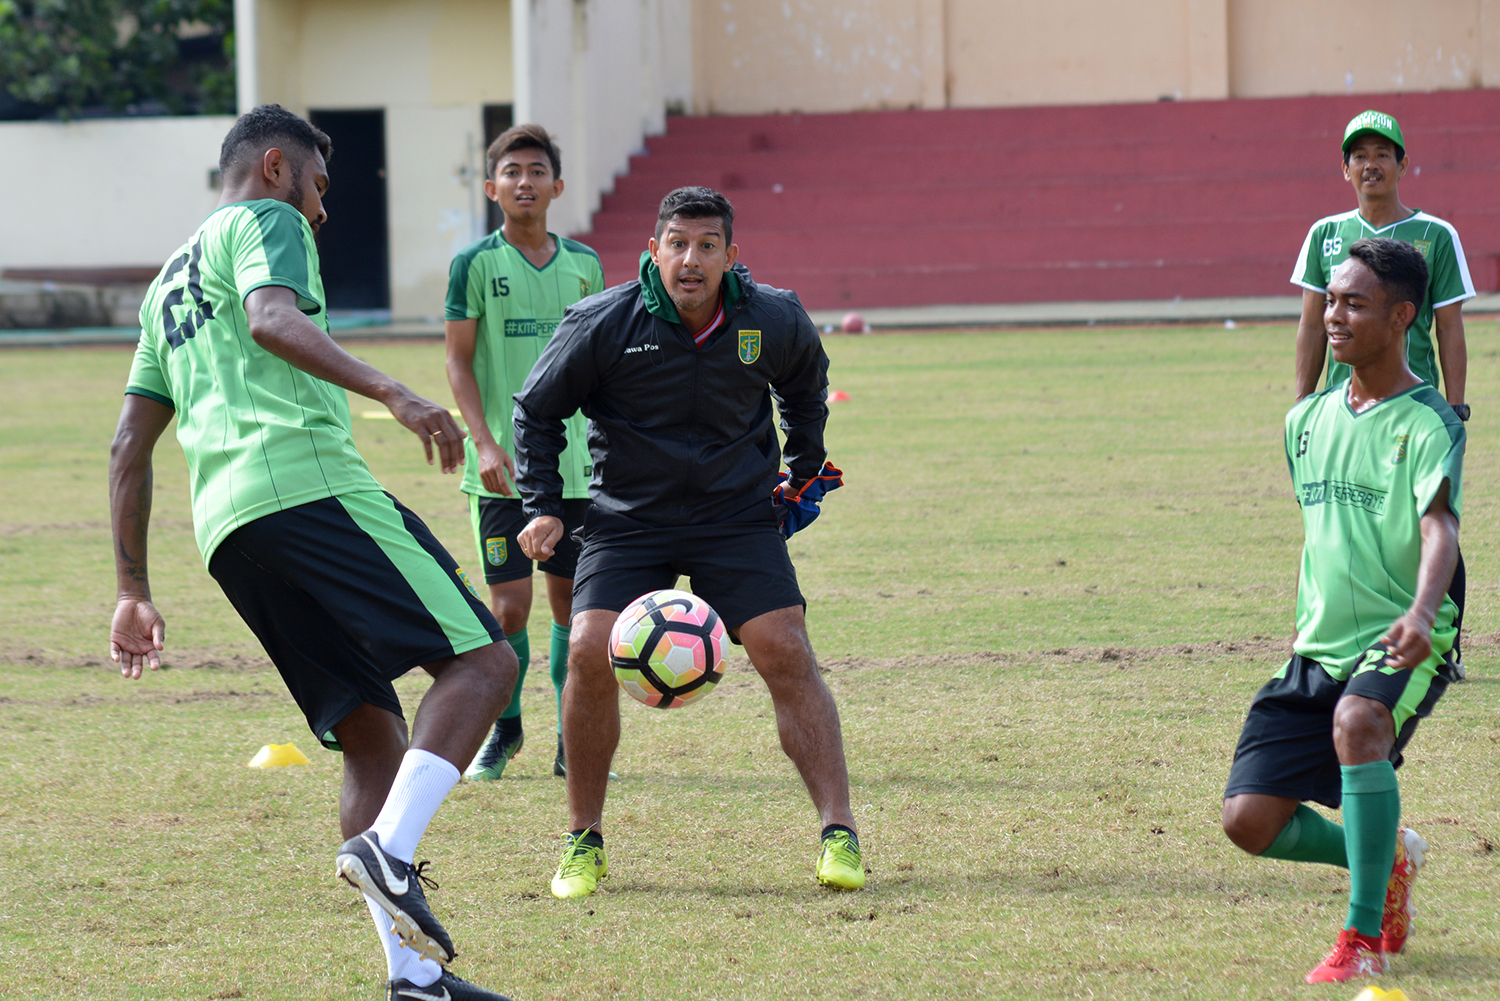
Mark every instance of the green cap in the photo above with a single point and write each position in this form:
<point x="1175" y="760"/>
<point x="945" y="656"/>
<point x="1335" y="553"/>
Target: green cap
<point x="1377" y="122"/>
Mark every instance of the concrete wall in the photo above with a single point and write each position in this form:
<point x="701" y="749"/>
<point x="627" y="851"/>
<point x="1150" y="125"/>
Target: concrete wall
<point x="105" y="193"/>
<point x="1280" y="47"/>
<point x="756" y="56"/>
<point x="600" y="75"/>
<point x="431" y="65"/>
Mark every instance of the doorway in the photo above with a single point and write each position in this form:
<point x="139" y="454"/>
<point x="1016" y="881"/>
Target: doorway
<point x="354" y="247"/>
<point x="497" y="118"/>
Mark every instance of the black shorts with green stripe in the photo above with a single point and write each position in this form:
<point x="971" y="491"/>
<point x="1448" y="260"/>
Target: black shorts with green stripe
<point x="1286" y="747"/>
<point x="347" y="594"/>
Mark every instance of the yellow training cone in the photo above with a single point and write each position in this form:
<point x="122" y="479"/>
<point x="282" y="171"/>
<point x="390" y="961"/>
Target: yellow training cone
<point x="277" y="755"/>
<point x="1373" y="993"/>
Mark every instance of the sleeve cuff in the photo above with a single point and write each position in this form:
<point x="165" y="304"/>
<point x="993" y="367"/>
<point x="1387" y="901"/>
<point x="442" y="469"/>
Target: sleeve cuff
<point x="165" y="401"/>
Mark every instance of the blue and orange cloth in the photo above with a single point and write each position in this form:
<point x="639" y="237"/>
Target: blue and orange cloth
<point x="795" y="511"/>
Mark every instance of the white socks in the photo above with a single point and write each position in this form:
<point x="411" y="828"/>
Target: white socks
<point x="403" y="963"/>
<point x="422" y="783"/>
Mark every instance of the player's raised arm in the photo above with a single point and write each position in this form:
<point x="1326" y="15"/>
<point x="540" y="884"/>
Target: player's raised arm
<point x="137" y="633"/>
<point x="281" y="328"/>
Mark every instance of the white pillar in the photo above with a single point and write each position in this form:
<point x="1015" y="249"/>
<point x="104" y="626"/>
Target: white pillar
<point x="521" y="48"/>
<point x="246" y="54"/>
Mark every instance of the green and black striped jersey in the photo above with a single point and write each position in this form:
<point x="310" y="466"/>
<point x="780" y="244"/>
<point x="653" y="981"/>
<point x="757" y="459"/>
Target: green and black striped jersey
<point x="260" y="435"/>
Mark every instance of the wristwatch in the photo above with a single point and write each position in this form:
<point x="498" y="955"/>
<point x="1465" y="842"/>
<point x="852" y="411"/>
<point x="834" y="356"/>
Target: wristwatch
<point x="1462" y="410"/>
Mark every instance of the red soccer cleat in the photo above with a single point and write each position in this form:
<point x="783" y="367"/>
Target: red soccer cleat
<point x="1395" y="923"/>
<point x="1355" y="955"/>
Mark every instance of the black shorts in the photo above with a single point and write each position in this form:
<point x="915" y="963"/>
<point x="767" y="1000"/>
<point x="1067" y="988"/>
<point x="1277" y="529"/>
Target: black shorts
<point x="498" y="520"/>
<point x="347" y="594"/>
<point x="742" y="570"/>
<point x="1286" y="747"/>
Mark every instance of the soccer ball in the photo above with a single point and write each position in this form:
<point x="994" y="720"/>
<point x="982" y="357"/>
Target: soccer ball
<point x="667" y="649"/>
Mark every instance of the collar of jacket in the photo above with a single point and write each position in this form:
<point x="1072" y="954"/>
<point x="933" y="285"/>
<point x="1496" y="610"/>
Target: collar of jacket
<point x="659" y="304"/>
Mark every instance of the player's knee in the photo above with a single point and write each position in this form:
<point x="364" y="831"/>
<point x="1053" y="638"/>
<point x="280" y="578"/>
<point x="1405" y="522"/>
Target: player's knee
<point x="1363" y="730"/>
<point x="1245" y="827"/>
<point x="588" y="646"/>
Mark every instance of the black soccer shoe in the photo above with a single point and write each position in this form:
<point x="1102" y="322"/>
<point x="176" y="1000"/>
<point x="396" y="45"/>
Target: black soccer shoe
<point x="448" y="988"/>
<point x="397" y="887"/>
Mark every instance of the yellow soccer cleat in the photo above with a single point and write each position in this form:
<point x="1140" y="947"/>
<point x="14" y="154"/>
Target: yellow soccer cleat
<point x="583" y="865"/>
<point x="840" y="864"/>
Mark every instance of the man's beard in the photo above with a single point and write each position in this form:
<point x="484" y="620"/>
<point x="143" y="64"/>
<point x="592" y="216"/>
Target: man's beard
<point x="295" y="192"/>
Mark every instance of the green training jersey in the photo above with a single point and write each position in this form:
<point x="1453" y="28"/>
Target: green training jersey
<point x="1364" y="481"/>
<point x="1448" y="281"/>
<point x="260" y="435"/>
<point x="518" y="306"/>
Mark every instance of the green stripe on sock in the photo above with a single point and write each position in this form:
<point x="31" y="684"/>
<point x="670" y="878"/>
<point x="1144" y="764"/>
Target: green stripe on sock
<point x="557" y="654"/>
<point x="1309" y="837"/>
<point x="1372" y="812"/>
<point x="521" y="644"/>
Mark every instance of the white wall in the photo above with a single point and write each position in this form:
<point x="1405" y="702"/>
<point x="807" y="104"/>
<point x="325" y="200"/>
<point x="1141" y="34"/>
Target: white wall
<point x="599" y="75"/>
<point x="431" y="65"/>
<point x="114" y="193"/>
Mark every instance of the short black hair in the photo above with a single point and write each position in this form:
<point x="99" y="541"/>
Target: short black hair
<point x="522" y="137"/>
<point x="266" y="127"/>
<point x="1398" y="266"/>
<point x="1400" y="150"/>
<point x="696" y="203"/>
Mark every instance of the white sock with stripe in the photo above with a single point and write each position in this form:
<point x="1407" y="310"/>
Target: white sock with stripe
<point x="422" y="783"/>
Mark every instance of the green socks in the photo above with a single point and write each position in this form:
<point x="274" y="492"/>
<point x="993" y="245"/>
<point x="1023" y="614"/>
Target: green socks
<point x="521" y="644"/>
<point x="557" y="660"/>
<point x="1311" y="837"/>
<point x="1372" y="813"/>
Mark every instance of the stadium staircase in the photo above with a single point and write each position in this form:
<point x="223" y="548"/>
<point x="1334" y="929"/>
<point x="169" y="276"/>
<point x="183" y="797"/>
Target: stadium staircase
<point x="1109" y="202"/>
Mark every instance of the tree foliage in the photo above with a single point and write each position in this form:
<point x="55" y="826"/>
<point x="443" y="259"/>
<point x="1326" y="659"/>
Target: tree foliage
<point x="65" y="56"/>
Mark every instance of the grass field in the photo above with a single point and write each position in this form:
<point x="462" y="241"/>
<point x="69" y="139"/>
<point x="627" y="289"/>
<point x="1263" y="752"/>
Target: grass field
<point x="1063" y="563"/>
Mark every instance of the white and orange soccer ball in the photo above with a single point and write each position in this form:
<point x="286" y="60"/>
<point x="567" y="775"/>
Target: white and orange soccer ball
<point x="667" y="649"/>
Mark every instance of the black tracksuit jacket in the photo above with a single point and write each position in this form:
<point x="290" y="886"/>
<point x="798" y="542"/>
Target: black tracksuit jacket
<point x="678" y="435"/>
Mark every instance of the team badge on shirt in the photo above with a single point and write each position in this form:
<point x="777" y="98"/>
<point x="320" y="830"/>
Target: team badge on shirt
<point x="583" y="288"/>
<point x="1425" y="246"/>
<point x="467" y="583"/>
<point x="494" y="551"/>
<point x="749" y="346"/>
<point x="1400" y="453"/>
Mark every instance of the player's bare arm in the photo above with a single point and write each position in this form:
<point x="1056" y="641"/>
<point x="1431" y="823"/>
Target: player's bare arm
<point x="1410" y="638"/>
<point x="282" y="329"/>
<point x="137" y="633"/>
<point x="496" y="467"/>
<point x="1312" y="343"/>
<point x="1453" y="351"/>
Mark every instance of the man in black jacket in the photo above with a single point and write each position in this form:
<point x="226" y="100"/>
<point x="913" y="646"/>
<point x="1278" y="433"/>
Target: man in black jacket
<point x="676" y="373"/>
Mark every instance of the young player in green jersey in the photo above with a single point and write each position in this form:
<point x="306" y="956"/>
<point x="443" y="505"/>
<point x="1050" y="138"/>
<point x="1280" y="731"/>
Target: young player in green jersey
<point x="506" y="295"/>
<point x="1376" y="463"/>
<point x="1374" y="162"/>
<point x="345" y="588"/>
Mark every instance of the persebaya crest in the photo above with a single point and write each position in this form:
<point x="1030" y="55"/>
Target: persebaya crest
<point x="494" y="550"/>
<point x="749" y="346"/>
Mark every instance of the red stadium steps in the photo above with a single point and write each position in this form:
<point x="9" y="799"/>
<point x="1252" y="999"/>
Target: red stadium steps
<point x="1155" y="201"/>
